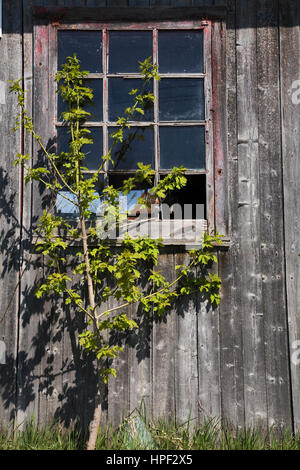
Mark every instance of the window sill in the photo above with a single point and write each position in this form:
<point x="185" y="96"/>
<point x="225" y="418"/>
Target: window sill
<point x="185" y="233"/>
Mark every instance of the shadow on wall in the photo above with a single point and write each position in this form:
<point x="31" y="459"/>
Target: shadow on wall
<point x="9" y="231"/>
<point x="54" y="377"/>
<point x="9" y="266"/>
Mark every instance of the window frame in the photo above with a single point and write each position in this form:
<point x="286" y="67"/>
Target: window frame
<point x="45" y="49"/>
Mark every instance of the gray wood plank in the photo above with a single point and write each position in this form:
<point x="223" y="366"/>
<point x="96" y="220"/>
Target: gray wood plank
<point x="231" y="360"/>
<point x="290" y="73"/>
<point x="28" y="83"/>
<point x="116" y="3"/>
<point x="51" y="359"/>
<point x="218" y="62"/>
<point x="208" y="333"/>
<point x="50" y="387"/>
<point x="182" y="3"/>
<point x="32" y="342"/>
<point x="95" y="3"/>
<point x="79" y="371"/>
<point x="271" y="216"/>
<point x="10" y="145"/>
<point x="139" y="3"/>
<point x="186" y="364"/>
<point x="160" y="2"/>
<point x="201" y="3"/>
<point x="249" y="264"/>
<point x="140" y="361"/>
<point x="71" y="3"/>
<point x="118" y="388"/>
<point x="164" y="336"/>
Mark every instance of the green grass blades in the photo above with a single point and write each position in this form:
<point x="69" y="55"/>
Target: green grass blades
<point x="161" y="435"/>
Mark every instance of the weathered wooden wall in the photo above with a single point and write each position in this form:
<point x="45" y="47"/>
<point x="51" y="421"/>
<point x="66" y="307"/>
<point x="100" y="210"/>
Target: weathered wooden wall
<point x="233" y="362"/>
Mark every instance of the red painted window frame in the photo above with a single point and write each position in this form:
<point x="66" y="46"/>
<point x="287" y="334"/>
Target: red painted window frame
<point x="45" y="52"/>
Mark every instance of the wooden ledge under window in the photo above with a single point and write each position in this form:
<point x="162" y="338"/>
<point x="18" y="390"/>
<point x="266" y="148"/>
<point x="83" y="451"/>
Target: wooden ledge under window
<point x="186" y="233"/>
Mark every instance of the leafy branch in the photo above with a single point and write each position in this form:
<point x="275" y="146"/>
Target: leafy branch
<point x="66" y="175"/>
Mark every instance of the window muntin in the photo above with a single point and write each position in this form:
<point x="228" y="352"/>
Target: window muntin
<point x="176" y="130"/>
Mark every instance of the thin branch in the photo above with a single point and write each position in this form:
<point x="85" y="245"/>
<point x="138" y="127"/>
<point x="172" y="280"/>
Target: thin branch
<point x="164" y="289"/>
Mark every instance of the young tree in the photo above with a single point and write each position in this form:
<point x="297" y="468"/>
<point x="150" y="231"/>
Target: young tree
<point x="64" y="174"/>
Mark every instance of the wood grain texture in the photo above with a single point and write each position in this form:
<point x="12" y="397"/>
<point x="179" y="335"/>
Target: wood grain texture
<point x="140" y="361"/>
<point x="208" y="334"/>
<point x="248" y="213"/>
<point x="32" y="344"/>
<point x="10" y="145"/>
<point x="231" y="338"/>
<point x="241" y="368"/>
<point x="121" y="12"/>
<point x="271" y="236"/>
<point x="186" y="356"/>
<point x="95" y="3"/>
<point x="118" y="388"/>
<point x="164" y="337"/>
<point x="117" y="3"/>
<point x="219" y="105"/>
<point x="290" y="76"/>
<point x="139" y="3"/>
<point x="33" y="340"/>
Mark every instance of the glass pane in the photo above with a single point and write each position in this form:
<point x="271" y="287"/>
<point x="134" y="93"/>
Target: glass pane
<point x="138" y="146"/>
<point x="66" y="205"/>
<point x="95" y="108"/>
<point x="86" y="44"/>
<point x="119" y="99"/>
<point x="180" y="51"/>
<point x="93" y="151"/>
<point x="182" y="146"/>
<point x="181" y="99"/>
<point x="130" y="202"/>
<point x="127" y="49"/>
<point x="66" y="201"/>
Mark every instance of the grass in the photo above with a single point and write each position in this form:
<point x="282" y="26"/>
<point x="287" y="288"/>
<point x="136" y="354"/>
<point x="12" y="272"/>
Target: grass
<point x="208" y="436"/>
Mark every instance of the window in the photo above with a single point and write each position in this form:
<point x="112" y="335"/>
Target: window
<point x="178" y="130"/>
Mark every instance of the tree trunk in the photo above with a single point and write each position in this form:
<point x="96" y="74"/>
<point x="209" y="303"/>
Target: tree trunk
<point x="95" y="423"/>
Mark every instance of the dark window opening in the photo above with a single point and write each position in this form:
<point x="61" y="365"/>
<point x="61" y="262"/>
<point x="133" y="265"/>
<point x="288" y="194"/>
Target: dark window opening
<point x="188" y="202"/>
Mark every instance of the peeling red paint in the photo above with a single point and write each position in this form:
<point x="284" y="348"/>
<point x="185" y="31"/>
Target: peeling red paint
<point x="219" y="164"/>
<point x="42" y="39"/>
